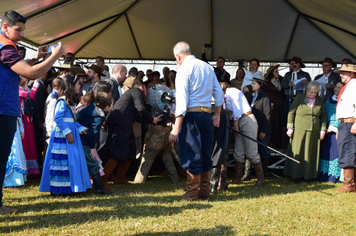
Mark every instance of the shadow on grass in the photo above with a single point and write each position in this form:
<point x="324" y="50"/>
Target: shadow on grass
<point x="273" y="186"/>
<point x="121" y="208"/>
<point x="218" y="230"/>
<point x="134" y="201"/>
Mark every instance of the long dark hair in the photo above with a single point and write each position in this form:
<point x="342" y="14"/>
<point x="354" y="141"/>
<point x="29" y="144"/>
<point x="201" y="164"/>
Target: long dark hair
<point x="100" y="86"/>
<point x="67" y="89"/>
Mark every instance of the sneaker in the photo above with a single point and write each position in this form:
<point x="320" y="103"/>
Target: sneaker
<point x="6" y="210"/>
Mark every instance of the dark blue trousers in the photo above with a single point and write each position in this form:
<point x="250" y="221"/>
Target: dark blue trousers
<point x="196" y="141"/>
<point x="346" y="146"/>
<point x="7" y="133"/>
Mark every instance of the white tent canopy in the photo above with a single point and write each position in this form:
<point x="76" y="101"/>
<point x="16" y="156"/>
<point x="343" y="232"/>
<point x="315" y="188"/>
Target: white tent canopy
<point x="270" y="30"/>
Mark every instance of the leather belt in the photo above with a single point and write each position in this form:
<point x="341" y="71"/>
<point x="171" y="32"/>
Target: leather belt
<point x="246" y="114"/>
<point x="199" y="109"/>
<point x="347" y="120"/>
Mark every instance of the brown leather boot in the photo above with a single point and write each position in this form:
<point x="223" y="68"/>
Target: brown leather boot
<point x="192" y="188"/>
<point x="259" y="174"/>
<point x="349" y="181"/>
<point x="204" y="185"/>
<point x="239" y="169"/>
<point x="108" y="169"/>
<point x="223" y="177"/>
<point x="120" y="177"/>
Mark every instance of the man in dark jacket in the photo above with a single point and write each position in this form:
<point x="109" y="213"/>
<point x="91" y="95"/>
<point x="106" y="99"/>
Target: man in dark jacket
<point x="120" y="145"/>
<point x="39" y="117"/>
<point x="328" y="79"/>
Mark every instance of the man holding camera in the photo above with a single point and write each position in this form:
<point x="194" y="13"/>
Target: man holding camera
<point x="11" y="66"/>
<point x="120" y="145"/>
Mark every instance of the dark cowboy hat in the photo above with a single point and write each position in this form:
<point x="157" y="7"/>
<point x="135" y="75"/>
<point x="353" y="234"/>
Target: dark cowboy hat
<point x="270" y="70"/>
<point x="259" y="78"/>
<point x="96" y="69"/>
<point x="328" y="59"/>
<point x="68" y="65"/>
<point x="297" y="60"/>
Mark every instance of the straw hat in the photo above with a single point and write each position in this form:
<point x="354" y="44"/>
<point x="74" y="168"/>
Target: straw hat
<point x="346" y="67"/>
<point x="129" y="81"/>
<point x="68" y="65"/>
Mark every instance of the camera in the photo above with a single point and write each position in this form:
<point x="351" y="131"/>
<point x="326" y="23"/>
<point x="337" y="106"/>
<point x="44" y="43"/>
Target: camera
<point x="50" y="47"/>
<point x="166" y="98"/>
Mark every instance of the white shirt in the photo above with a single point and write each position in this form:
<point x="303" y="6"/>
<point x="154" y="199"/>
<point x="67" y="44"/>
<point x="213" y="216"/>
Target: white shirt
<point x="346" y="107"/>
<point x="236" y="103"/>
<point x="196" y="84"/>
<point x="248" y="78"/>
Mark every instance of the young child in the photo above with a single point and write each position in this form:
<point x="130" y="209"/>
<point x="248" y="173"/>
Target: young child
<point x="65" y="170"/>
<point x="93" y="116"/>
<point x="50" y="104"/>
<point x="29" y="141"/>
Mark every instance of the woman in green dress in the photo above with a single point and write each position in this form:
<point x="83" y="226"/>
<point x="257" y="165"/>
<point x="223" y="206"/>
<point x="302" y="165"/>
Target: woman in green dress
<point x="306" y="127"/>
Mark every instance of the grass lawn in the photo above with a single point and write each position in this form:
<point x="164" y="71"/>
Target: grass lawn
<point x="280" y="207"/>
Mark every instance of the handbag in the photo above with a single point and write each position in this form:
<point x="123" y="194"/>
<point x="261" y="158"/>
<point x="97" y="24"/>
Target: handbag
<point x="29" y="106"/>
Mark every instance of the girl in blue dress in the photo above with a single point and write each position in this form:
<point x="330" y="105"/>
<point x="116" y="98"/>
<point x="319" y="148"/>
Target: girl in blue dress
<point x="65" y="169"/>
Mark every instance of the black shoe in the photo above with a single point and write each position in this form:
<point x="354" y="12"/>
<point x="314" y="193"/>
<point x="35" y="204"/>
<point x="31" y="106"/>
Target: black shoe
<point x="103" y="191"/>
<point x="298" y="181"/>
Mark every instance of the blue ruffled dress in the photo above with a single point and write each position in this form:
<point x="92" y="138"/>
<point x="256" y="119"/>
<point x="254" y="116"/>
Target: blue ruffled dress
<point x="16" y="169"/>
<point x="65" y="169"/>
<point x="329" y="169"/>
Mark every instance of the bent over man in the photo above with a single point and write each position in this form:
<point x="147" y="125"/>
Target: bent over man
<point x="196" y="84"/>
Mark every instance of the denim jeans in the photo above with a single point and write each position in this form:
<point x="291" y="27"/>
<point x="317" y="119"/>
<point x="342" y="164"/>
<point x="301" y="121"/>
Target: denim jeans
<point x="7" y="133"/>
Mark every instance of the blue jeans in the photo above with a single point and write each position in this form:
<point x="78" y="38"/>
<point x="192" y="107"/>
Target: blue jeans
<point x="196" y="142"/>
<point x="7" y="133"/>
<point x="346" y="146"/>
<point x="93" y="164"/>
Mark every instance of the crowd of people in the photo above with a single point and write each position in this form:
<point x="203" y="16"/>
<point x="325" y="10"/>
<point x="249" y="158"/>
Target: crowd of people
<point x="80" y="127"/>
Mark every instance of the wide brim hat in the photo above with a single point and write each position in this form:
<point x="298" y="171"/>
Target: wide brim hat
<point x="68" y="65"/>
<point x="129" y="81"/>
<point x="346" y="67"/>
<point x="329" y="60"/>
<point x="270" y="70"/>
<point x="259" y="78"/>
<point x="53" y="76"/>
<point x="297" y="60"/>
<point x="96" y="69"/>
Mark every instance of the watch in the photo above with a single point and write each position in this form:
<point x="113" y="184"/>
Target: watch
<point x="33" y="59"/>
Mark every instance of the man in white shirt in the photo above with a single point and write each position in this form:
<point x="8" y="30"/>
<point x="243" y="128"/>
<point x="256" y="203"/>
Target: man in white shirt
<point x="196" y="84"/>
<point x="346" y="135"/>
<point x="244" y="121"/>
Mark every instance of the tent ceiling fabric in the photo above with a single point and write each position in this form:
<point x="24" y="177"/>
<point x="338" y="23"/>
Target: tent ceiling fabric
<point x="272" y="30"/>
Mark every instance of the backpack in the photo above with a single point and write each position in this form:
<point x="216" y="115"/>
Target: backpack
<point x="29" y="106"/>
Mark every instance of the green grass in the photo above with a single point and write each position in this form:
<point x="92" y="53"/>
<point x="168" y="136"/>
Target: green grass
<point x="279" y="207"/>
